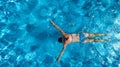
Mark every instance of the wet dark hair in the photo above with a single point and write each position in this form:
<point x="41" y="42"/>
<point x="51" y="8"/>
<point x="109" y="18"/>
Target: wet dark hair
<point x="60" y="39"/>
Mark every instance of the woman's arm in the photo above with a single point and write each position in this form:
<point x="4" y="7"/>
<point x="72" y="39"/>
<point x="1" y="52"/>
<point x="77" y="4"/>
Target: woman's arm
<point x="61" y="53"/>
<point x="57" y="27"/>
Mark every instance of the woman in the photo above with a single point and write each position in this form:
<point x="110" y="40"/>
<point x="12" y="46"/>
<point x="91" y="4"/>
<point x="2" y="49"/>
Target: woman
<point x="69" y="38"/>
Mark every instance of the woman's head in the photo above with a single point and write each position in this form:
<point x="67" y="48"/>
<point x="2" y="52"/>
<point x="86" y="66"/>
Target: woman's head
<point x="60" y="40"/>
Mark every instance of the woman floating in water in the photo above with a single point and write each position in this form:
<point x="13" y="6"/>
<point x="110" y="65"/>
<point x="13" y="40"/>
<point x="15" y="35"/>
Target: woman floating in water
<point x="69" y="38"/>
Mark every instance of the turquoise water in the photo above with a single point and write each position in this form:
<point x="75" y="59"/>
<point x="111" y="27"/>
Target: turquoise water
<point x="27" y="39"/>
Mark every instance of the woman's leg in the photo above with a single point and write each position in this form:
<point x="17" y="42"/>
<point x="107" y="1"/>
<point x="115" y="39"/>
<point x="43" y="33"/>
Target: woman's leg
<point x="94" y="40"/>
<point x="93" y="34"/>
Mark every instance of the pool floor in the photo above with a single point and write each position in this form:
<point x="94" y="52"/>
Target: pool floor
<point x="27" y="39"/>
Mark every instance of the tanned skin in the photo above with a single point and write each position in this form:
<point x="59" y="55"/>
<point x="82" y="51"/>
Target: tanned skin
<point x="74" y="38"/>
<point x="68" y="41"/>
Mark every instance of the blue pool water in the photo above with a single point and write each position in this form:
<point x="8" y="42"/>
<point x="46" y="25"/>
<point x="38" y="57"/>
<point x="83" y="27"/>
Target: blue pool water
<point x="27" y="39"/>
